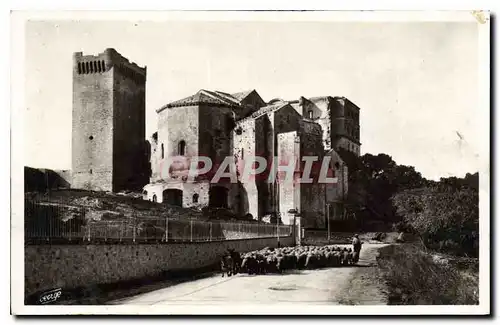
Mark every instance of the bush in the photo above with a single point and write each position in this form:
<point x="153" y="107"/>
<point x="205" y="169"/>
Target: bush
<point x="414" y="278"/>
<point x="402" y="227"/>
<point x="446" y="218"/>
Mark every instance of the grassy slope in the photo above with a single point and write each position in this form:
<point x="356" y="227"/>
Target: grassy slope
<point x="114" y="206"/>
<point x="414" y="278"/>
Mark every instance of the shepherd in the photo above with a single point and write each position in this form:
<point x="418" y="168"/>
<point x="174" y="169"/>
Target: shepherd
<point x="235" y="259"/>
<point x="356" y="243"/>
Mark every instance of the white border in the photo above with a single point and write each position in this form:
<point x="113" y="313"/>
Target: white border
<point x="17" y="109"/>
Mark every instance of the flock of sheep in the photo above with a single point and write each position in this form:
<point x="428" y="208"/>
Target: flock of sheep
<point x="269" y="260"/>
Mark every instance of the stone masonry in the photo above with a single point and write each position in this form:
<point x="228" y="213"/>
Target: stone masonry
<point x="110" y="151"/>
<point x="108" y="132"/>
<point x="241" y="126"/>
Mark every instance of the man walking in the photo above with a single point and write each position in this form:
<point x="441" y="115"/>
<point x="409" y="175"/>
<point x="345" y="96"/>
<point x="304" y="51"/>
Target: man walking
<point x="356" y="243"/>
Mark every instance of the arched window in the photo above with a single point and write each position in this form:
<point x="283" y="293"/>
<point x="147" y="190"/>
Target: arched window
<point x="181" y="148"/>
<point x="195" y="198"/>
<point x="310" y="114"/>
<point x="243" y="154"/>
<point x="154" y="197"/>
<point x="162" y="151"/>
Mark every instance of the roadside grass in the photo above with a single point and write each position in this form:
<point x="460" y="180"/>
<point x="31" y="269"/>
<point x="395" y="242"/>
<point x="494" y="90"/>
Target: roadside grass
<point x="413" y="277"/>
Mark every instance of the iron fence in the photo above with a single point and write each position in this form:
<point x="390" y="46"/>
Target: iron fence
<point x="53" y="222"/>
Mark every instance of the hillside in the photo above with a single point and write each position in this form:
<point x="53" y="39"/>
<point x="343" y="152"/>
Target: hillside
<point x="109" y="206"/>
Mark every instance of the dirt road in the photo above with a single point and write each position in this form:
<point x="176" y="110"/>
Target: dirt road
<point x="355" y="285"/>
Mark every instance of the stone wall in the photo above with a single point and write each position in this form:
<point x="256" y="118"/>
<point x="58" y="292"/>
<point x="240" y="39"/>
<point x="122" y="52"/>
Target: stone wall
<point x="154" y="158"/>
<point x="250" y="104"/>
<point x="214" y="132"/>
<point x="182" y="124"/>
<point x="317" y="109"/>
<point x="244" y="147"/>
<point x="189" y="191"/>
<point x="288" y="190"/>
<point x="129" y="150"/>
<point x="70" y="266"/>
<point x="345" y="125"/>
<point x="349" y="145"/>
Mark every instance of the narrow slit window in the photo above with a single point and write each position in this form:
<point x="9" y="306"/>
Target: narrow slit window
<point x="162" y="151"/>
<point x="182" y="148"/>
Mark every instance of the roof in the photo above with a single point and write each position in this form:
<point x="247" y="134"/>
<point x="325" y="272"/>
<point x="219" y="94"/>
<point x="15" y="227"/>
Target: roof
<point x="264" y="110"/>
<point x="276" y="100"/>
<point x="204" y="96"/>
<point x="225" y="96"/>
<point x="242" y="95"/>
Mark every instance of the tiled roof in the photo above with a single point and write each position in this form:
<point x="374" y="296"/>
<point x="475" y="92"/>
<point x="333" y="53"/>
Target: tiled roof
<point x="223" y="97"/>
<point x="203" y="97"/>
<point x="264" y="110"/>
<point x="210" y="97"/>
<point x="241" y="95"/>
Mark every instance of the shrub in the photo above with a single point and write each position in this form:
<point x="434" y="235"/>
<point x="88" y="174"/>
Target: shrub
<point x="414" y="278"/>
<point x="446" y="218"/>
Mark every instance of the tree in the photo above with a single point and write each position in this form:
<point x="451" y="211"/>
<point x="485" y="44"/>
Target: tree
<point x="383" y="192"/>
<point x="444" y="216"/>
<point x="373" y="180"/>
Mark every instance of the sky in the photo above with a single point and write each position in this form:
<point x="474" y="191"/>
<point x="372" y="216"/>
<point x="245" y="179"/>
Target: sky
<point x="415" y="82"/>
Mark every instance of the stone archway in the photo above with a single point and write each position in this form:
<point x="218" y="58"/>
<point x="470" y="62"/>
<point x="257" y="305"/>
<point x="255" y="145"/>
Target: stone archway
<point x="217" y="197"/>
<point x="172" y="197"/>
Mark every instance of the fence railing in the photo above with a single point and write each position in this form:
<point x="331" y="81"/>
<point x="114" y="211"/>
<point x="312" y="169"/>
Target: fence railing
<point x="51" y="222"/>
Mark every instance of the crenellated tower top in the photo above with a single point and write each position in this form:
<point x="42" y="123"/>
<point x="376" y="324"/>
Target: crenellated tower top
<point x="103" y="62"/>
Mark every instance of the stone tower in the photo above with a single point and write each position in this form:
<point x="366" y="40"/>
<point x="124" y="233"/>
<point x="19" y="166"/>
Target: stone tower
<point x="108" y="131"/>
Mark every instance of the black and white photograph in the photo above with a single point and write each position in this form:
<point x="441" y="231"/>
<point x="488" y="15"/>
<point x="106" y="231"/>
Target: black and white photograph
<point x="273" y="162"/>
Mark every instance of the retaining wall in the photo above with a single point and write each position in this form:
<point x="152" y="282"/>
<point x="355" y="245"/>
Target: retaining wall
<point x="70" y="266"/>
